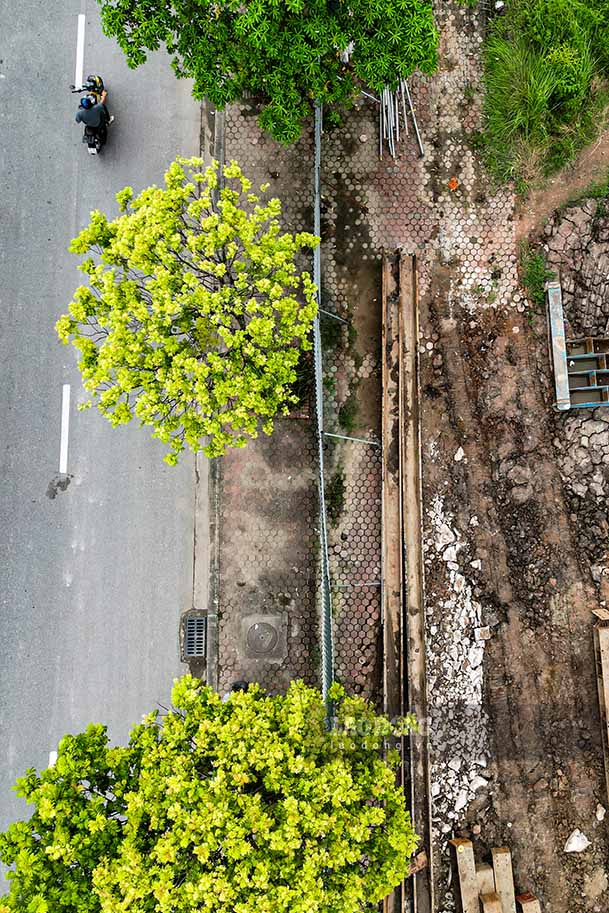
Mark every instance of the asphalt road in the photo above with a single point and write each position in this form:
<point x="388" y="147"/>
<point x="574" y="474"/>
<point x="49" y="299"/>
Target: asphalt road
<point x="95" y="574"/>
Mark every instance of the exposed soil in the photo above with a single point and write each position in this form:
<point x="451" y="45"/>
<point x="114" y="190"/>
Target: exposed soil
<point x="510" y="574"/>
<point x="487" y="391"/>
<point x="590" y="167"/>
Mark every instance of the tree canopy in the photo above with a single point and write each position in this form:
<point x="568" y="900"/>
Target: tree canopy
<point x="196" y="313"/>
<point x="245" y="806"/>
<point x="286" y="53"/>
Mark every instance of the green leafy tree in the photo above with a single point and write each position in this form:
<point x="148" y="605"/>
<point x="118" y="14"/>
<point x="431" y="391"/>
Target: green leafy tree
<point x="285" y="52"/>
<point x="246" y="806"/>
<point x="196" y="315"/>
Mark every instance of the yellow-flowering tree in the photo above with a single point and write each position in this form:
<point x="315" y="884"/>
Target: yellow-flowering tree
<point x="196" y="313"/>
<point x="244" y="806"/>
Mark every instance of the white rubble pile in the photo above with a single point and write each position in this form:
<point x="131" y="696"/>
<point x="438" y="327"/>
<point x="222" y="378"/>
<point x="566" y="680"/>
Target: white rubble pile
<point x="458" y="733"/>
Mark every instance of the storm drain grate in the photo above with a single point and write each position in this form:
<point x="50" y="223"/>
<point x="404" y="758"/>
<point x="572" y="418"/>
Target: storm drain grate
<point x="194" y="636"/>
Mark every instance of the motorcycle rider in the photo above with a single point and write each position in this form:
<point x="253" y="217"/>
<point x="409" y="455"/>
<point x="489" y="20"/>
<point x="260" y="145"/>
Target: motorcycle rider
<point x="92" y="114"/>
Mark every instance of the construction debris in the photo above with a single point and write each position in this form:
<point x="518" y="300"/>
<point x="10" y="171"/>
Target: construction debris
<point x="468" y="879"/>
<point x="581" y="375"/>
<point x="491" y="903"/>
<point x="504" y="878"/>
<point x="393" y="112"/>
<point x="527" y="903"/>
<point x="419" y="863"/>
<point x="489" y="886"/>
<point x="485" y="877"/>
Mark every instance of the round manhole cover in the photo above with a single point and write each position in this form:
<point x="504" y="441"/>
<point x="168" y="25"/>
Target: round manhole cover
<point x="262" y="637"/>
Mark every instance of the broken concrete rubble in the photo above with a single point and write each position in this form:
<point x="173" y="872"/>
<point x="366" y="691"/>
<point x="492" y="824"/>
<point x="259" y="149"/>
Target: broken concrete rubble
<point x="455" y="685"/>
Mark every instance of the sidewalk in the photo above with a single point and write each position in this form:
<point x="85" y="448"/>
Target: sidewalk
<point x="268" y="510"/>
<point x="267" y="492"/>
<point x="268" y="531"/>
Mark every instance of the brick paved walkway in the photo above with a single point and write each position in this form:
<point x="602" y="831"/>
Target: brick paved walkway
<point x="268" y="630"/>
<point x="268" y="510"/>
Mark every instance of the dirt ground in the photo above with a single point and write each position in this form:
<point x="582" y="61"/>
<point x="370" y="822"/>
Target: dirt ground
<point x="515" y="526"/>
<point x="511" y="574"/>
<point x="543" y="772"/>
<point x="590" y="167"/>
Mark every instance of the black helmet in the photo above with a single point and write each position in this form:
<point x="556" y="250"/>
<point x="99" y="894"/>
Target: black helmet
<point x="87" y="101"/>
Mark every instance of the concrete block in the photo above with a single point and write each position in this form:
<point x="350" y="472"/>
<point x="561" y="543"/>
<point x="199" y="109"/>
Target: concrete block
<point x="559" y="345"/>
<point x="504" y="878"/>
<point x="491" y="903"/>
<point x="468" y="881"/>
<point x="528" y="903"/>
<point x="486" y="878"/>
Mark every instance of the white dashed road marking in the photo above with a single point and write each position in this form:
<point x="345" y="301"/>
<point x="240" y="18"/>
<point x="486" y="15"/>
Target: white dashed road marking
<point x="80" y="51"/>
<point x="65" y="430"/>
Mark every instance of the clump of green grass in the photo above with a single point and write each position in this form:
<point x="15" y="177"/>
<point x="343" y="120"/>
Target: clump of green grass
<point x="546" y="64"/>
<point x="331" y="333"/>
<point x="347" y="414"/>
<point x="335" y="495"/>
<point x="598" y="191"/>
<point x="329" y="383"/>
<point x="469" y="91"/>
<point x="534" y="273"/>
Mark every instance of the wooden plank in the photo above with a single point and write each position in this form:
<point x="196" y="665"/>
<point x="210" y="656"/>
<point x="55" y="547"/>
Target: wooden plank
<point x="601" y="656"/>
<point x="486" y="878"/>
<point x="468" y="880"/>
<point x="528" y="903"/>
<point x="491" y="903"/>
<point x="504" y="878"/>
<point x="602" y="635"/>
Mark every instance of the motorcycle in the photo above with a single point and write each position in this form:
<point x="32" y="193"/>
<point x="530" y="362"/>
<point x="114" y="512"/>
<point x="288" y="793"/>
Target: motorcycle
<point x="94" y="137"/>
